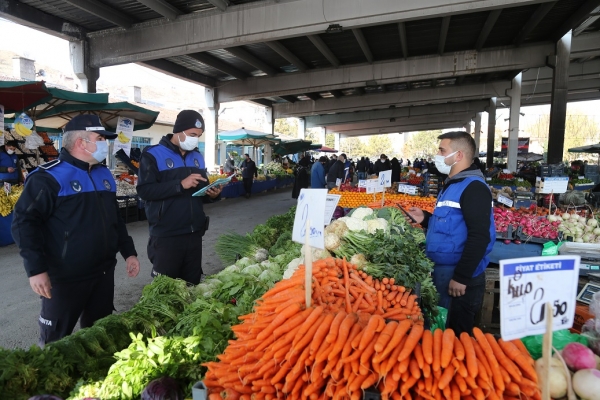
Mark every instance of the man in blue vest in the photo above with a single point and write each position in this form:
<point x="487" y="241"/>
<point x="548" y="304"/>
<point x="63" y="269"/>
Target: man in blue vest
<point x="9" y="163"/>
<point x="170" y="173"/>
<point x="460" y="232"/>
<point x="68" y="229"/>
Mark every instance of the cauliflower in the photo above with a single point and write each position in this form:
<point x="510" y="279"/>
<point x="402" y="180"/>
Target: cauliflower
<point x="355" y="224"/>
<point x="291" y="268"/>
<point x="361" y="213"/>
<point x="359" y="260"/>
<point x="374" y="225"/>
<point x="332" y="241"/>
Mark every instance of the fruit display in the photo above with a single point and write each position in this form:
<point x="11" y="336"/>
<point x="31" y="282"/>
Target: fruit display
<point x="353" y="199"/>
<point x="8" y="201"/>
<point x="213" y="178"/>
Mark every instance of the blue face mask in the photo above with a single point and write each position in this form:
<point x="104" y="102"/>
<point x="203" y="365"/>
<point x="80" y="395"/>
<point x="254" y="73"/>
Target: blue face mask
<point x="101" y="150"/>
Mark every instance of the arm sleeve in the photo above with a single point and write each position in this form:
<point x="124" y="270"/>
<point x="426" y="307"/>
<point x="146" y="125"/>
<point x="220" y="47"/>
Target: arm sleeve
<point x="3" y="169"/>
<point x="35" y="206"/>
<point x="126" y="246"/>
<point x="255" y="171"/>
<point x="149" y="186"/>
<point x="426" y="216"/>
<point x="476" y="204"/>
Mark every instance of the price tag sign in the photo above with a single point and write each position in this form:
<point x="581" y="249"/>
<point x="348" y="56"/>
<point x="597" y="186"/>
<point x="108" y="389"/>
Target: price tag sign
<point x="373" y="186"/>
<point x="582" y="177"/>
<point x="7" y="187"/>
<point x="408" y="189"/>
<point x="505" y="200"/>
<point x="311" y="208"/>
<point x="527" y="284"/>
<point x="488" y="179"/>
<point x="362" y="183"/>
<point x="385" y="178"/>
<point x="331" y="203"/>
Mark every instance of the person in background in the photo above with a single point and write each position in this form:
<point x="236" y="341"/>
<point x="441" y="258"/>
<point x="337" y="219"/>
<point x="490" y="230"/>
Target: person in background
<point x="68" y="228"/>
<point x="10" y="171"/>
<point x="331" y="163"/>
<point x="383" y="164"/>
<point x="460" y="232"/>
<point x="317" y="174"/>
<point x="395" y="167"/>
<point x="170" y="173"/>
<point x="229" y="167"/>
<point x="370" y="166"/>
<point x="361" y="169"/>
<point x="337" y="171"/>
<point x="407" y="162"/>
<point x="301" y="178"/>
<point x="249" y="172"/>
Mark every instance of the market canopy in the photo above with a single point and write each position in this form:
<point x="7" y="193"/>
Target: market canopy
<point x="20" y="96"/>
<point x="592" y="148"/>
<point x="295" y="146"/>
<point x="530" y="157"/>
<point x="325" y="149"/>
<point x="109" y="114"/>
<point x="247" y="137"/>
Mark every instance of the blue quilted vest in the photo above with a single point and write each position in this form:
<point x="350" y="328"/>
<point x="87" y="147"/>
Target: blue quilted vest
<point x="447" y="230"/>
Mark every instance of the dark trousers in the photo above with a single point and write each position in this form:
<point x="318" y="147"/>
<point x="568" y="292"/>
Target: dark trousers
<point x="177" y="256"/>
<point x="248" y="185"/>
<point x="86" y="301"/>
<point x="463" y="309"/>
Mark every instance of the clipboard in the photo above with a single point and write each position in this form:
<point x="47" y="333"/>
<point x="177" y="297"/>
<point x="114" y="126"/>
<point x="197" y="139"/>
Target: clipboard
<point x="218" y="182"/>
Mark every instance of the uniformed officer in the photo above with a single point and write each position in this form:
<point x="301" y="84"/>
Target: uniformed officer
<point x="68" y="228"/>
<point x="170" y="173"/>
<point x="9" y="163"/>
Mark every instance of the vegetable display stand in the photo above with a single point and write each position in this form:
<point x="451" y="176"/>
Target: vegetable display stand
<point x="489" y="319"/>
<point x="5" y="235"/>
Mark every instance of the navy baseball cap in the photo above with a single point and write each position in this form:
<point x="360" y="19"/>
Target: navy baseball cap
<point x="88" y="122"/>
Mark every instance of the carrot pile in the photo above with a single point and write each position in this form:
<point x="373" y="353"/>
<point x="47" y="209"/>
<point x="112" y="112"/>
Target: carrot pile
<point x="341" y="346"/>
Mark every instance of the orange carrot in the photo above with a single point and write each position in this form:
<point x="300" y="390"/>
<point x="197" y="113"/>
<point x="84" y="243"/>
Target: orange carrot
<point x="427" y="345"/>
<point x="489" y="355"/>
<point x="447" y="347"/>
<point x="437" y="349"/>
<point x="469" y="353"/>
<point x="459" y="350"/>
<point x="385" y="336"/>
<point x="503" y="360"/>
<point x="413" y="338"/>
<point x="321" y="332"/>
<point x="286" y="314"/>
<point x="514" y="354"/>
<point x="370" y="331"/>
<point x="419" y="355"/>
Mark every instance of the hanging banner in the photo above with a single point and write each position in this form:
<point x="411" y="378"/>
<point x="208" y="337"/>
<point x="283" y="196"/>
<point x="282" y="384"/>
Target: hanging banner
<point x="124" y="135"/>
<point x="2" y="125"/>
<point x="522" y="149"/>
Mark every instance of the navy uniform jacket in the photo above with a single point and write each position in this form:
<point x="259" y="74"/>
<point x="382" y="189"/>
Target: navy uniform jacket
<point x="67" y="221"/>
<point x="7" y="161"/>
<point x="171" y="210"/>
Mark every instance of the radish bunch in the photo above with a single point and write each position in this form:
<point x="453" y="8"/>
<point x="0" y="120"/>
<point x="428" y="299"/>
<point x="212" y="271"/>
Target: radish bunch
<point x="533" y="225"/>
<point x="581" y="229"/>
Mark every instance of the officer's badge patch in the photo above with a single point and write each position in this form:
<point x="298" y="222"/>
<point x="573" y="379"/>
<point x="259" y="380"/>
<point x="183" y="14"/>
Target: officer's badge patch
<point x="106" y="184"/>
<point x="170" y="163"/>
<point x="76" y="186"/>
<point x="196" y="163"/>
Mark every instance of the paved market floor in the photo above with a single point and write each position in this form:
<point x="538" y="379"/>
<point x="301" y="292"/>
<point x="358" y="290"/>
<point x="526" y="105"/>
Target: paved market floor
<point x="20" y="306"/>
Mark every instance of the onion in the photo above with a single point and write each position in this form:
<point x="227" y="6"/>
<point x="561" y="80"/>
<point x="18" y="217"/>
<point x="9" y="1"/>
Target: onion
<point x="552" y="218"/>
<point x="566" y="216"/>
<point x="575" y="217"/>
<point x="596" y="231"/>
<point x="592" y="222"/>
<point x="588" y="228"/>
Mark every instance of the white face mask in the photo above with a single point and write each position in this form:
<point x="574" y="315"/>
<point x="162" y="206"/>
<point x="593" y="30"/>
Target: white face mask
<point x="190" y="142"/>
<point x="440" y="163"/>
<point x="10" y="152"/>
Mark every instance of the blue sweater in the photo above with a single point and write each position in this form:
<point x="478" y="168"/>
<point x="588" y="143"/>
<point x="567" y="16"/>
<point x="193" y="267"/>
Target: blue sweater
<point x="317" y="176"/>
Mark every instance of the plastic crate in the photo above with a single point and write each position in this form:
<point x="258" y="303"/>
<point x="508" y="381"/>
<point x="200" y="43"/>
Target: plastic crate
<point x="509" y="234"/>
<point x="530" y="239"/>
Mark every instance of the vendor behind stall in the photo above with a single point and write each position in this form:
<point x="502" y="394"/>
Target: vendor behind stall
<point x="461" y="231"/>
<point x="9" y="164"/>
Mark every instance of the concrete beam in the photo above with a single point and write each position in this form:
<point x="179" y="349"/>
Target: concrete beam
<point x="266" y="21"/>
<point x="425" y="126"/>
<point x="487" y="29"/>
<point x="436" y="95"/>
<point x="324" y="49"/>
<point x="528" y="96"/>
<point x="589" y="21"/>
<point x="103" y="11"/>
<point x="403" y="39"/>
<point x="220" y="4"/>
<point x="577" y="72"/>
<point x="533" y="22"/>
<point x="25" y="15"/>
<point x="576" y="19"/>
<point x="396" y="113"/>
<point x="177" y="71"/>
<point x="391" y="71"/>
<point x="248" y="58"/>
<point x="288" y="55"/>
<point x="362" y="42"/>
<point x="443" y="34"/>
<point x="216" y="63"/>
<point x="586" y="45"/>
<point x="401" y="122"/>
<point x="163" y="8"/>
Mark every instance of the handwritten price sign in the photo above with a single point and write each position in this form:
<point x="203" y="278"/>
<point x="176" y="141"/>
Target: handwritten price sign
<point x="385" y="178"/>
<point x="311" y="208"/>
<point x="527" y="284"/>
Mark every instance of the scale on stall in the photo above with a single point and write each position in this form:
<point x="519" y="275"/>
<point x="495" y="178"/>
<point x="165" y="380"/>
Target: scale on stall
<point x="588" y="291"/>
<point x="590" y="257"/>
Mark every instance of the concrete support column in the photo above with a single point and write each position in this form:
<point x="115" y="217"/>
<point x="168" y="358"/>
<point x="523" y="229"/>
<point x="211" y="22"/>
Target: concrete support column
<point x="558" y="102"/>
<point x="301" y="128"/>
<point x="513" y="124"/>
<point x="468" y="128"/>
<point x="322" y="136"/>
<point x="336" y="138"/>
<point x="491" y="132"/>
<point x="477" y="135"/>
<point x="80" y="60"/>
<point x="268" y="154"/>
<point x="211" y="120"/>
<point x="222" y="152"/>
<point x="269" y="124"/>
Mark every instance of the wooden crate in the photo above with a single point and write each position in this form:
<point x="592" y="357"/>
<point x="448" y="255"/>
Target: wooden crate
<point x="489" y="319"/>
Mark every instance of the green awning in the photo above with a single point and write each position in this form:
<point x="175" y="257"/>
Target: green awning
<point x="294" y="146"/>
<point x="247" y="137"/>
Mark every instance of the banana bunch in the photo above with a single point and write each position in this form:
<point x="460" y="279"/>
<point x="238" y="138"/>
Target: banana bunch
<point x="8" y="201"/>
<point x="212" y="178"/>
<point x="121" y="137"/>
<point x="22" y="129"/>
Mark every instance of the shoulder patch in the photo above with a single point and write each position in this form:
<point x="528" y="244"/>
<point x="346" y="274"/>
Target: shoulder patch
<point x="50" y="164"/>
